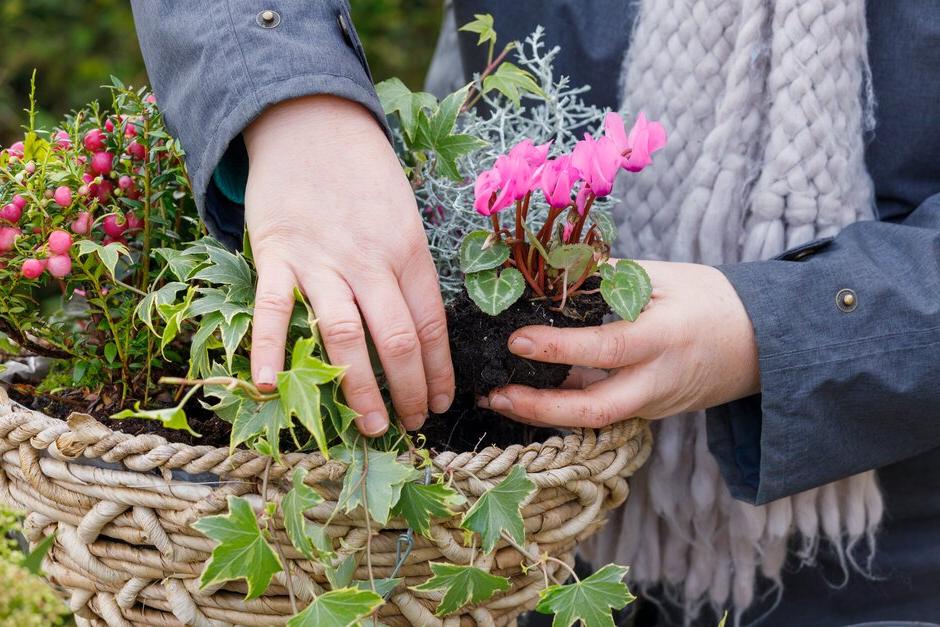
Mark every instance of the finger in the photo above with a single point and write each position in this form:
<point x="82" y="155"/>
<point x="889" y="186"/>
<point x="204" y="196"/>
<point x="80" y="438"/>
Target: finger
<point x="607" y="346"/>
<point x="484" y="402"/>
<point x="274" y="302"/>
<point x="396" y="341"/>
<point x="596" y="406"/>
<point x="581" y="377"/>
<point x="344" y="338"/>
<point x="423" y="297"/>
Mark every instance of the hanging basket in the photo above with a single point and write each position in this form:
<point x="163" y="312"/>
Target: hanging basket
<point x="122" y="507"/>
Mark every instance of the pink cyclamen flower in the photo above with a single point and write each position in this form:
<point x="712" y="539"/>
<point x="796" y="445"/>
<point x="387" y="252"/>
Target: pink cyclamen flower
<point x="556" y="179"/>
<point x="533" y="155"/>
<point x="644" y="139"/>
<point x="566" y="233"/>
<point x="59" y="266"/>
<point x="489" y="197"/>
<point x="597" y="160"/>
<point x="62" y="196"/>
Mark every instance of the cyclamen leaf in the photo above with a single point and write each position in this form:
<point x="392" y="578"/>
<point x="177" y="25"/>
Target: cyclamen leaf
<point x="626" y="288"/>
<point x="299" y="499"/>
<point x="171" y="417"/>
<point x="383" y="480"/>
<point x="420" y="503"/>
<point x="461" y="585"/>
<point x="499" y="509"/>
<point x="476" y="256"/>
<point x="483" y="24"/>
<point x="396" y="97"/>
<point x="512" y="82"/>
<point x="493" y="290"/>
<point x="589" y="600"/>
<point x="241" y="552"/>
<point x="338" y="608"/>
<point x="575" y="258"/>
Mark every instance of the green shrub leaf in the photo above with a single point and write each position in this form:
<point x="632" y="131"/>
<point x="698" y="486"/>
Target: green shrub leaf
<point x="338" y="608"/>
<point x="589" y="601"/>
<point x="493" y="290"/>
<point x="476" y="255"/>
<point x="626" y="288"/>
<point x="241" y="552"/>
<point x="499" y="509"/>
<point x="461" y="585"/>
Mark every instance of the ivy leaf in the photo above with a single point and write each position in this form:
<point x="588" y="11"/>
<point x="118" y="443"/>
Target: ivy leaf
<point x="626" y="288"/>
<point x="232" y="334"/>
<point x="299" y="499"/>
<point x="461" y="585"/>
<point x="33" y="560"/>
<point x="475" y="255"/>
<point x="228" y="269"/>
<point x="451" y="148"/>
<point x="589" y="600"/>
<point x="383" y="481"/>
<point x="338" y="608"/>
<point x="420" y="503"/>
<point x="575" y="258"/>
<point x="171" y="417"/>
<point x="512" y="81"/>
<point x="254" y="419"/>
<point x="199" y="344"/>
<point x="341" y="415"/>
<point x="498" y="509"/>
<point x="483" y="24"/>
<point x="494" y="291"/>
<point x="164" y="295"/>
<point x="396" y="97"/>
<point x="109" y="255"/>
<point x="434" y="133"/>
<point x="181" y="265"/>
<point x="383" y="587"/>
<point x="241" y="552"/>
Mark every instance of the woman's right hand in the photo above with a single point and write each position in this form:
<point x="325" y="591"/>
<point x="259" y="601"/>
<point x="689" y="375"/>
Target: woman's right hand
<point x="329" y="210"/>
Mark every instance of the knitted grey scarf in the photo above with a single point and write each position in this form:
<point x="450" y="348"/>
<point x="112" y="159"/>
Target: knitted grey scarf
<point x="765" y="103"/>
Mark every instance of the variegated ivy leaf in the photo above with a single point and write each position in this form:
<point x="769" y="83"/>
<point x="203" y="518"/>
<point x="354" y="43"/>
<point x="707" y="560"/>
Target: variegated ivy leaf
<point x="379" y="475"/>
<point x="338" y="608"/>
<point x="495" y="290"/>
<point x="479" y="252"/>
<point x="199" y="345"/>
<point x="512" y="81"/>
<point x="171" y="417"/>
<point x="589" y="601"/>
<point x="232" y="334"/>
<point x="396" y="97"/>
<point x="162" y="296"/>
<point x="231" y="270"/>
<point x="461" y="585"/>
<point x="573" y="258"/>
<point x="181" y="265"/>
<point x="626" y="288"/>
<point x="109" y="255"/>
<point x="299" y="499"/>
<point x="420" y="504"/>
<point x="242" y="551"/>
<point x="173" y="315"/>
<point x="499" y="509"/>
<point x="383" y="587"/>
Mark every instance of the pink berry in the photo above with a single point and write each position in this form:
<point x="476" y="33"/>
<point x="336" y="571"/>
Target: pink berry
<point x="82" y="224"/>
<point x="8" y="236"/>
<point x="102" y="191"/>
<point x="81" y="160"/>
<point x="94" y="140"/>
<point x="82" y="190"/>
<point x="62" y="140"/>
<point x="59" y="266"/>
<point x="136" y="150"/>
<point x="114" y="225"/>
<point x="101" y="163"/>
<point x="32" y="268"/>
<point x="134" y="223"/>
<point x="79" y="292"/>
<point x="62" y="196"/>
<point x="16" y="149"/>
<point x="30" y="167"/>
<point x="130" y="130"/>
<point x="107" y="239"/>
<point x="150" y="99"/>
<point x="19" y="201"/>
<point x="125" y="182"/>
<point x="60" y="242"/>
<point x="87" y="178"/>
<point x="109" y="125"/>
<point x="11" y="213"/>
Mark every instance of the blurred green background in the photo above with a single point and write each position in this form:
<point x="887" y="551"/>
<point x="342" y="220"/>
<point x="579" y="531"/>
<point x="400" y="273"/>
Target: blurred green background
<point x="74" y="47"/>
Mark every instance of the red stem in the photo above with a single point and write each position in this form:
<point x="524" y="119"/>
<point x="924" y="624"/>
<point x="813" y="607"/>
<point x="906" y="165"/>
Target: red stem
<point x="579" y="225"/>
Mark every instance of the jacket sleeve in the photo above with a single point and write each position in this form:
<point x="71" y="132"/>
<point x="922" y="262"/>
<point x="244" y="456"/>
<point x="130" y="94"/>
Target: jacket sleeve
<point x="848" y="335"/>
<point x="215" y="65"/>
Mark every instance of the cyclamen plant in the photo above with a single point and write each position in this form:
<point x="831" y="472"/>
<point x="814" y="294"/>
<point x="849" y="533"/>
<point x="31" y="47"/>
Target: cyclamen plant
<point x="555" y="261"/>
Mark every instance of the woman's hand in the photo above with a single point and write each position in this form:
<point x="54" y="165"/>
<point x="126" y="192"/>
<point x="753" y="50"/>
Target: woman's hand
<point x="693" y="347"/>
<point x="329" y="210"/>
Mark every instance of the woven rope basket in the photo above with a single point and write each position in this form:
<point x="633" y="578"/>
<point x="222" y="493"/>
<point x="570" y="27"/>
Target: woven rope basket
<point x="121" y="507"/>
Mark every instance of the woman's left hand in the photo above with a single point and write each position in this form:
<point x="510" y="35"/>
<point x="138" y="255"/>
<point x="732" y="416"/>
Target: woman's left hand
<point x="693" y="347"/>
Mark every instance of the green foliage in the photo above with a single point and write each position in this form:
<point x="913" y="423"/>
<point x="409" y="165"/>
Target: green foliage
<point x="242" y="551"/>
<point x="479" y="250"/>
<point x="435" y="134"/>
<point x="461" y="585"/>
<point x="495" y="290"/>
<point x="575" y="259"/>
<point x="589" y="600"/>
<point x="373" y="480"/>
<point x="171" y="417"/>
<point x="420" y="503"/>
<point x="338" y="608"/>
<point x="299" y="499"/>
<point x="512" y="82"/>
<point x="626" y="288"/>
<point x="483" y="25"/>
<point x="498" y="510"/>
<point x="397" y="98"/>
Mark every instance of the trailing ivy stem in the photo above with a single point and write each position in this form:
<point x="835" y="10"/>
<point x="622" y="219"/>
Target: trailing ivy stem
<point x="549" y="558"/>
<point x="365" y="508"/>
<point x="277" y="545"/>
<point x="229" y="383"/>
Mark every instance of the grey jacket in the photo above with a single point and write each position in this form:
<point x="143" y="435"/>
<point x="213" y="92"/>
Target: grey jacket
<point x="844" y="388"/>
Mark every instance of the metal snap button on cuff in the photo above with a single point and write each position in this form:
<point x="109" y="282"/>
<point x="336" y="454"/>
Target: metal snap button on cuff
<point x="846" y="300"/>
<point x="344" y="26"/>
<point x="268" y="19"/>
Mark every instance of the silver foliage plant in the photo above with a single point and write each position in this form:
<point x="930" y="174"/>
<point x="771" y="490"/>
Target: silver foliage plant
<point x="561" y="117"/>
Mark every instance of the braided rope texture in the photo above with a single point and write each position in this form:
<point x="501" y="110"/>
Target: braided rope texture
<point x="125" y="552"/>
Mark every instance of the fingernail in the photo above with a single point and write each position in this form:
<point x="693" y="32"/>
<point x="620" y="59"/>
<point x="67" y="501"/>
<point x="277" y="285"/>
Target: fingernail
<point x="414" y="422"/>
<point x="373" y="424"/>
<point x="500" y="403"/>
<point x="265" y="376"/>
<point x="440" y="403"/>
<point x="483" y="402"/>
<point x="522" y="346"/>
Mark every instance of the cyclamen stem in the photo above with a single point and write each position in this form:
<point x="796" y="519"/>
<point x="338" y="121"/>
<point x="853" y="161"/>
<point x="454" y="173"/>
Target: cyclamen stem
<point x="579" y="225"/>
